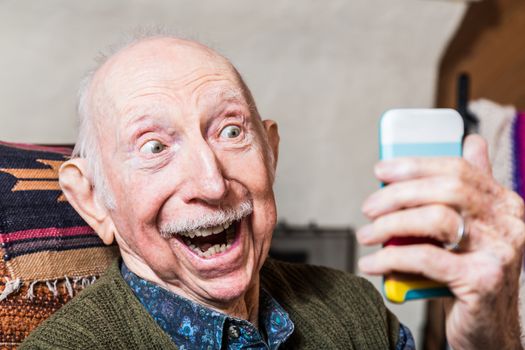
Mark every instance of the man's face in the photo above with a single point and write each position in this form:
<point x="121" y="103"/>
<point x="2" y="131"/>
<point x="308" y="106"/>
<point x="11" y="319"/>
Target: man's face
<point x="182" y="150"/>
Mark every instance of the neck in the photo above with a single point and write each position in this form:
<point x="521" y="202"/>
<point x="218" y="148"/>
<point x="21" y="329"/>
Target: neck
<point x="245" y="307"/>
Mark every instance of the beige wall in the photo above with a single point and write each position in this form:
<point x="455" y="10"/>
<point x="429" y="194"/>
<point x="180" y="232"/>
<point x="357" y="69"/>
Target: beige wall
<point x="325" y="70"/>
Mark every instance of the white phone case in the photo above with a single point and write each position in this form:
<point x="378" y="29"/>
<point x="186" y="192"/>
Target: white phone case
<point x="418" y="133"/>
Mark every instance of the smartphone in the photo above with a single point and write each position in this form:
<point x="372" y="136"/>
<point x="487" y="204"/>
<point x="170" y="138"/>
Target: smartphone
<point x="418" y="133"/>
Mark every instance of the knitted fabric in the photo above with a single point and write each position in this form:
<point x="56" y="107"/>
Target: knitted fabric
<point x="330" y="310"/>
<point x="518" y="143"/>
<point x="19" y="315"/>
<point x="504" y="129"/>
<point x="496" y="126"/>
<point x="47" y="252"/>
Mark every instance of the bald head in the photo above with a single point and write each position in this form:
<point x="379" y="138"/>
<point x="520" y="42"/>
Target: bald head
<point x="145" y="66"/>
<point x="171" y="62"/>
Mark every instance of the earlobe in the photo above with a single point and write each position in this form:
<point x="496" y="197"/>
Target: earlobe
<point x="272" y="134"/>
<point x="79" y="191"/>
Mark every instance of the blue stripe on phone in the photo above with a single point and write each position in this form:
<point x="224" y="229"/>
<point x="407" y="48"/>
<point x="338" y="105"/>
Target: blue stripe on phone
<point x="442" y="149"/>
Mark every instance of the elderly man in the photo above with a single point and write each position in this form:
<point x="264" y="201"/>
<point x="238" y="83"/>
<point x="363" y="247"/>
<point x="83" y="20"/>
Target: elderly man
<point x="175" y="164"/>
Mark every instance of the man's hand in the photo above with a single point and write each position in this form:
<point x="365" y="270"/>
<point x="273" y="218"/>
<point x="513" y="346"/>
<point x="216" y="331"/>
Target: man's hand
<point x="427" y="197"/>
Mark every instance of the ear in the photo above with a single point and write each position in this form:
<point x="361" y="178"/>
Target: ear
<point x="79" y="191"/>
<point x="272" y="134"/>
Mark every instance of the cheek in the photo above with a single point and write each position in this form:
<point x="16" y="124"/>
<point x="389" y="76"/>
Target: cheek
<point x="139" y="199"/>
<point x="251" y="170"/>
<point x="136" y="220"/>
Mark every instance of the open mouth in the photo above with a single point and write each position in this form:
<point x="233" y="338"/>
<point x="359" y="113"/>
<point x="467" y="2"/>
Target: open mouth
<point x="207" y="242"/>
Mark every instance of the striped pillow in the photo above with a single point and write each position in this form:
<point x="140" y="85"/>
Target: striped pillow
<point x="47" y="252"/>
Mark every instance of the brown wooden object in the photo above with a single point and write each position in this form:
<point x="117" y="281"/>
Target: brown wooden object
<point x="490" y="46"/>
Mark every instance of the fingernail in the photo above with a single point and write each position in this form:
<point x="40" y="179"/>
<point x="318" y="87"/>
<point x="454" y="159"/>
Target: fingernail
<point x="382" y="168"/>
<point x="390" y="168"/>
<point x="365" y="233"/>
<point x="370" y="205"/>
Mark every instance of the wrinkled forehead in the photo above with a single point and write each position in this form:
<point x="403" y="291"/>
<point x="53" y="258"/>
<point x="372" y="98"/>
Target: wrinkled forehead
<point x="162" y="65"/>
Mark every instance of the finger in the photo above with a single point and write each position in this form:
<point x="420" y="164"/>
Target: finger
<point x="476" y="152"/>
<point x="513" y="204"/>
<point x="406" y="168"/>
<point x="517" y="232"/>
<point x="426" y="260"/>
<point x="449" y="191"/>
<point x="435" y="221"/>
<point x="403" y="169"/>
<point x="510" y="229"/>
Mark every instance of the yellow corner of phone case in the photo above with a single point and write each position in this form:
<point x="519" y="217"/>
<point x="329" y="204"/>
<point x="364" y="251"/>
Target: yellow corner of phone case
<point x="396" y="291"/>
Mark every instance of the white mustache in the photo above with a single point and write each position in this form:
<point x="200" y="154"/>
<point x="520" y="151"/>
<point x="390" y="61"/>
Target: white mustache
<point x="219" y="217"/>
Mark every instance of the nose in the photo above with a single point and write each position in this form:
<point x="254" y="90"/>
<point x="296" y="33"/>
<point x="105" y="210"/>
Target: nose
<point x="204" y="174"/>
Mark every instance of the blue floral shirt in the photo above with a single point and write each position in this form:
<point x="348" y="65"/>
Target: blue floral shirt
<point x="192" y="326"/>
<point x="405" y="340"/>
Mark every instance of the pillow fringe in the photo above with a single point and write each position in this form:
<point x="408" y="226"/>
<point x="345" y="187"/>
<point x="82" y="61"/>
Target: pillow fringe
<point x="11" y="286"/>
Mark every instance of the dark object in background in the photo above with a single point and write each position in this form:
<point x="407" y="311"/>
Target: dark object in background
<point x="470" y="121"/>
<point x="488" y="46"/>
<point x="317" y="245"/>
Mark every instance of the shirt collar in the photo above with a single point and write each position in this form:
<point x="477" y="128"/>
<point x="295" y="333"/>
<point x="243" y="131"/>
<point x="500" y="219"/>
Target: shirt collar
<point x="191" y="325"/>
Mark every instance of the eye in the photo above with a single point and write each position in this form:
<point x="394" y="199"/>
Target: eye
<point x="231" y="131"/>
<point x="153" y="146"/>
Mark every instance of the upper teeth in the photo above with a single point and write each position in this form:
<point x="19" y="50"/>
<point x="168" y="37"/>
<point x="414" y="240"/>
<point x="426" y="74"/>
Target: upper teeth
<point x="203" y="232"/>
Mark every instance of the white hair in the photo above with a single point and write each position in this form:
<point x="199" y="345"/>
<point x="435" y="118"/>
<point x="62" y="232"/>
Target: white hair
<point x="87" y="145"/>
<point x="216" y="218"/>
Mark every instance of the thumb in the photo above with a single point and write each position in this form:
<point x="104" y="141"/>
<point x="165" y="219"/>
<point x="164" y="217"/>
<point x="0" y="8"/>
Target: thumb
<point x="476" y="152"/>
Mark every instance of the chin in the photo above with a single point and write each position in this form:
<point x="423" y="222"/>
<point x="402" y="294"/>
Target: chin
<point x="227" y="290"/>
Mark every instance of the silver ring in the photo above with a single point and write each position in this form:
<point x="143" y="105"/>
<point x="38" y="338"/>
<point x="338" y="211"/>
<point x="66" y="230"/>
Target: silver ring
<point x="461" y="235"/>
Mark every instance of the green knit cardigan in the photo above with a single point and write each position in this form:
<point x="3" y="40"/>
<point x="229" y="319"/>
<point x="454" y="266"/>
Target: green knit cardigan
<point x="330" y="310"/>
